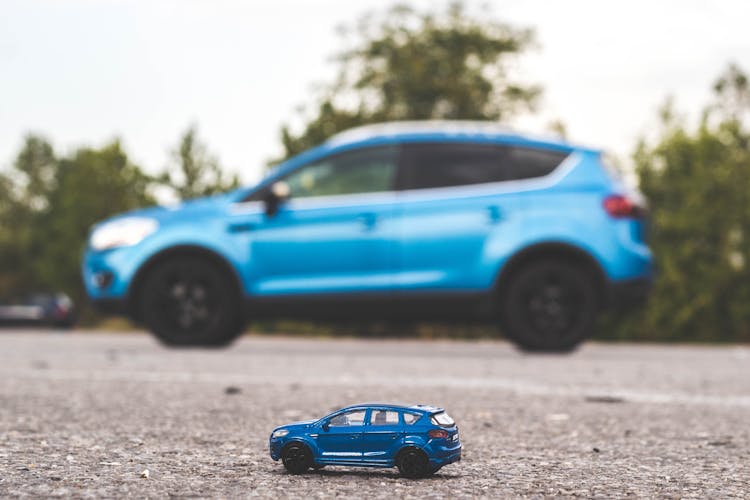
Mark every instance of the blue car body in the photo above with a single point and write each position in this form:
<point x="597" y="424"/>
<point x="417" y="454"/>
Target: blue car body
<point x="372" y="444"/>
<point x="400" y="251"/>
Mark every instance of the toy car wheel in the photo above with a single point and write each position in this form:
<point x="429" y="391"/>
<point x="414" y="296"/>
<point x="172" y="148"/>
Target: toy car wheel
<point x="296" y="458"/>
<point x="413" y="463"/>
<point x="549" y="306"/>
<point x="190" y="301"/>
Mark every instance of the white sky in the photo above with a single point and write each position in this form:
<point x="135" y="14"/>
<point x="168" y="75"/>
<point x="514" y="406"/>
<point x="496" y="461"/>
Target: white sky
<point x="84" y="71"/>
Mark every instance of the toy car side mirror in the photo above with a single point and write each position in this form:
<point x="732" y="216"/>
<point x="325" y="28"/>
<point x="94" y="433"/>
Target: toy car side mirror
<point x="326" y="426"/>
<point x="277" y="194"/>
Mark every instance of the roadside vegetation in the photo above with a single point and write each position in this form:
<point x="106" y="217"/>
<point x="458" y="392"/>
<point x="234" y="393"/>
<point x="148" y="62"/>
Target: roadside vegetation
<point x="399" y="65"/>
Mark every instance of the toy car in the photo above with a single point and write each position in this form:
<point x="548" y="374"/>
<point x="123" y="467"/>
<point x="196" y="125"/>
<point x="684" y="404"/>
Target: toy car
<point x="418" y="440"/>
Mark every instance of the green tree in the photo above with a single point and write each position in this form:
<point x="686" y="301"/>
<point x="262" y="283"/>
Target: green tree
<point x="52" y="203"/>
<point x="698" y="185"/>
<point x="194" y="171"/>
<point x="409" y="65"/>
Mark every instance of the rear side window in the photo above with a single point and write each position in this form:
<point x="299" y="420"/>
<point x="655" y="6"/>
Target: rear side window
<point x="443" y="165"/>
<point x="383" y="417"/>
<point x="526" y="163"/>
<point x="442" y="419"/>
<point x="410" y="418"/>
<point x="436" y="165"/>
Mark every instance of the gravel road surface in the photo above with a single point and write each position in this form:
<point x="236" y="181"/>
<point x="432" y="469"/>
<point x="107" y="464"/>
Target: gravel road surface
<point x="85" y="414"/>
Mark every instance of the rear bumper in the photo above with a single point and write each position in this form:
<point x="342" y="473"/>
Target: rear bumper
<point x="446" y="456"/>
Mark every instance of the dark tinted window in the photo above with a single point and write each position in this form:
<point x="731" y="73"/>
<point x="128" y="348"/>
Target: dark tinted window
<point x="443" y="165"/>
<point x="525" y="163"/>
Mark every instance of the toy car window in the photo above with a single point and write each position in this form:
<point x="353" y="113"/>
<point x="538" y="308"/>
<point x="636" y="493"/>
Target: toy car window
<point x="442" y="419"/>
<point x="348" y="419"/>
<point x="361" y="171"/>
<point x="383" y="417"/>
<point x="410" y="418"/>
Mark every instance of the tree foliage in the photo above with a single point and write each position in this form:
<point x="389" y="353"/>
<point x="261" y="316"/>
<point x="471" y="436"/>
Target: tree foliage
<point x="698" y="185"/>
<point x="410" y="65"/>
<point x="51" y="206"/>
<point x="194" y="171"/>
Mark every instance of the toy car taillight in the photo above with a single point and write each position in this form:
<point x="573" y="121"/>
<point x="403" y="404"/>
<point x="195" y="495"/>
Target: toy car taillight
<point x="438" y="434"/>
<point x="619" y="206"/>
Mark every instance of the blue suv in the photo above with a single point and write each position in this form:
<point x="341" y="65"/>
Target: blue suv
<point x="419" y="440"/>
<point x="411" y="221"/>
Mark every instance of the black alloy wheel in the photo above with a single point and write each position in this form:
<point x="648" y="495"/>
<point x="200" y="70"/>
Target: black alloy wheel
<point x="549" y="306"/>
<point x="190" y="301"/>
<point x="413" y="463"/>
<point x="296" y="458"/>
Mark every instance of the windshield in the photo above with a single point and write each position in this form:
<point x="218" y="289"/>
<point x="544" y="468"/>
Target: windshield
<point x="442" y="419"/>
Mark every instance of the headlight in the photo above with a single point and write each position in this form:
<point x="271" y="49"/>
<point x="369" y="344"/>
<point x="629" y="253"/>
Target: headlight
<point x="122" y="232"/>
<point x="280" y="433"/>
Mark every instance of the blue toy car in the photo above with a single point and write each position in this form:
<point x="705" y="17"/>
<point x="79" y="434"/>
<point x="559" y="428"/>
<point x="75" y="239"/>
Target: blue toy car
<point x="418" y="440"/>
<point x="423" y="221"/>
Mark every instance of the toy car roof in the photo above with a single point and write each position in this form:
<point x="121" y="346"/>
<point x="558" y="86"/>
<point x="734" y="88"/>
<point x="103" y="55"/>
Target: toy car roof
<point x="420" y="408"/>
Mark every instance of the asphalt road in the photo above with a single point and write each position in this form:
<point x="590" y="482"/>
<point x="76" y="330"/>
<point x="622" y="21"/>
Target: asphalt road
<point x="85" y="414"/>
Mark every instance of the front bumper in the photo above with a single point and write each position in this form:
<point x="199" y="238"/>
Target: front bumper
<point x="274" y="448"/>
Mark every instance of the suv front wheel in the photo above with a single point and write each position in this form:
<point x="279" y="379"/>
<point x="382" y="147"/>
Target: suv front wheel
<point x="549" y="305"/>
<point x="189" y="301"/>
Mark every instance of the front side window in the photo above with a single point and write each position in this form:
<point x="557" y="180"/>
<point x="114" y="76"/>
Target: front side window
<point x="348" y="419"/>
<point x="383" y="417"/>
<point x="360" y="171"/>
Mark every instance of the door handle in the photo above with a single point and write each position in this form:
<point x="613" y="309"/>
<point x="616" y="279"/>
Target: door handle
<point x="495" y="214"/>
<point x="368" y="220"/>
<point x="241" y="227"/>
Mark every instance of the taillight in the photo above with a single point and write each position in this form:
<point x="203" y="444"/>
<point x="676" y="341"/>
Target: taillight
<point x="438" y="433"/>
<point x="619" y="207"/>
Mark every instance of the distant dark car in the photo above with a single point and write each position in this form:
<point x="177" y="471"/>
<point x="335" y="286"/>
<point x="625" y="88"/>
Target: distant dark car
<point x="418" y="440"/>
<point x="41" y="309"/>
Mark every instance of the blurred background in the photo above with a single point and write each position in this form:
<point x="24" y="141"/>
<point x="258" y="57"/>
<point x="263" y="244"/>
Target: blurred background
<point x="110" y="105"/>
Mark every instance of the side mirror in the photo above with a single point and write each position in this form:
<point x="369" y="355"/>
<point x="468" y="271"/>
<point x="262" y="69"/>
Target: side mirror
<point x="326" y="426"/>
<point x="277" y="194"/>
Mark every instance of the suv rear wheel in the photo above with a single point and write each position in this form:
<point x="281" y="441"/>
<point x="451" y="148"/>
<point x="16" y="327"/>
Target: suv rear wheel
<point x="188" y="301"/>
<point x="549" y="305"/>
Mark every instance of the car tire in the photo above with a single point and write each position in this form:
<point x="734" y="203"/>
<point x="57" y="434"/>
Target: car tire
<point x="296" y="458"/>
<point x="549" y="306"/>
<point x="413" y="463"/>
<point x="190" y="301"/>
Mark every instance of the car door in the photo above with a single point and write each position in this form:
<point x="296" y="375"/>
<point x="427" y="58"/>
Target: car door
<point x="340" y="439"/>
<point x="335" y="232"/>
<point x="382" y="436"/>
<point x="456" y="216"/>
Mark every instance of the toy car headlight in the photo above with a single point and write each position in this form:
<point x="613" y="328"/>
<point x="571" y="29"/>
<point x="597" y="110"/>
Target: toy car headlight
<point x="280" y="433"/>
<point x="122" y="232"/>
